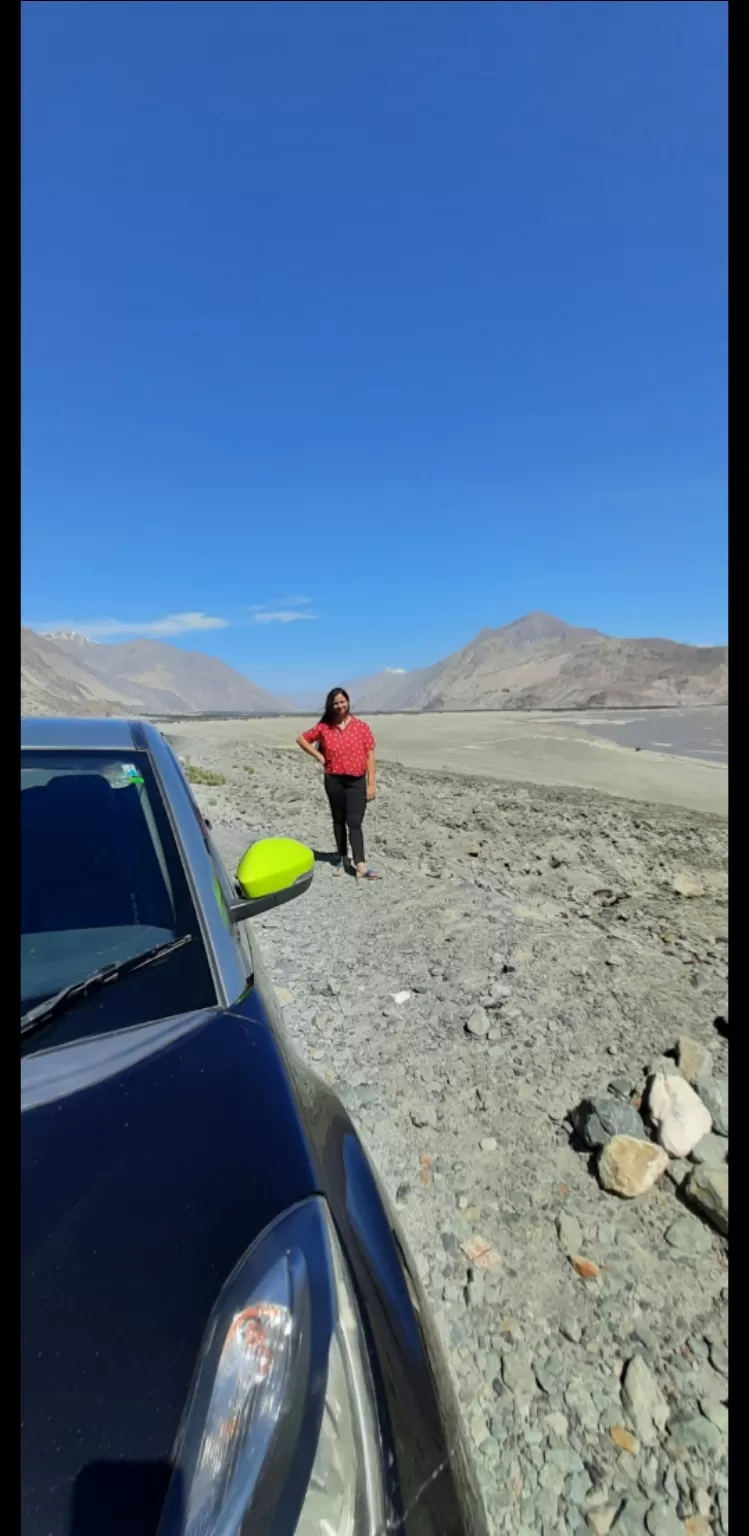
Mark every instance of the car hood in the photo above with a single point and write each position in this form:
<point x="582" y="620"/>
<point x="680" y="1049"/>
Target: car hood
<point x="150" y="1162"/>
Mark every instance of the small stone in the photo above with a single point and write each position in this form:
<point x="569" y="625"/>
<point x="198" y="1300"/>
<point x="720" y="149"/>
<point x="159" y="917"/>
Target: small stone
<point x="596" y="1120"/>
<point x="649" y="1475"/>
<point x="567" y="1459"/>
<point x="500" y="993"/>
<point x="716" y="1412"/>
<point x="551" y="1478"/>
<point x="478" y="1024"/>
<point x="631" y="1518"/>
<point x="623" y="1440"/>
<point x="488" y="1144"/>
<point x="662" y="1520"/>
<point x="580" y="1403"/>
<point x="424" y="1116"/>
<point x="583" y="1267"/>
<point x="479" y="1429"/>
<point x="480" y="1254"/>
<point x="678" y="1170"/>
<point x="643" y="1401"/>
<point x="713" y="1092"/>
<point x="576" y="1490"/>
<point x="687" y="1236"/>
<point x="632" y="1249"/>
<point x="694" y="1060"/>
<point x="570" y="1329"/>
<point x="697" y="1525"/>
<point x="558" y="1425"/>
<point x="712" y="1151"/>
<point x="685" y="886"/>
<point x="646" y="1338"/>
<point x="283" y="996"/>
<point x="707" y="1190"/>
<point x="679" y="1115"/>
<point x="601" y="1519"/>
<point x="698" y="1434"/>
<point x="569" y="1233"/>
<point x="401" y="997"/>
<point x="517" y="1374"/>
<point x="628" y="1166"/>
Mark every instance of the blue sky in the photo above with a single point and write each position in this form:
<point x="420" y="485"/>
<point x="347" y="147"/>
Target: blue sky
<point x="391" y="321"/>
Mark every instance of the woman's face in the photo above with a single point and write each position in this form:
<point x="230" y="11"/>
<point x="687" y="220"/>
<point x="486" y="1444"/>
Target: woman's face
<point x="340" y="706"/>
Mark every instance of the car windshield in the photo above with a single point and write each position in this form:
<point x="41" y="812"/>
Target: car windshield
<point x="101" y="882"/>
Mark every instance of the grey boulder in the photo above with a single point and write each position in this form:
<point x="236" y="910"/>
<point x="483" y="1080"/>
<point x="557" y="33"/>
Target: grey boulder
<point x="597" y="1119"/>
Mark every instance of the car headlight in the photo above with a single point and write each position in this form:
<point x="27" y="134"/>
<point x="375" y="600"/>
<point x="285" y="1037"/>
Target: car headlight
<point x="281" y="1431"/>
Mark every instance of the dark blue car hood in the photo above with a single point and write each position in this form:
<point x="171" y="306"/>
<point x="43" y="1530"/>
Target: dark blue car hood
<point x="144" y="1181"/>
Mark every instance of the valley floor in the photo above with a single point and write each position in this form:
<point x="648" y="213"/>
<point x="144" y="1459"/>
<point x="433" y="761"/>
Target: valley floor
<point x="681" y="758"/>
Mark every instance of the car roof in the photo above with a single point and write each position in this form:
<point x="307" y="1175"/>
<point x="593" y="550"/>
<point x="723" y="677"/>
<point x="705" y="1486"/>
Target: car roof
<point x="43" y="732"/>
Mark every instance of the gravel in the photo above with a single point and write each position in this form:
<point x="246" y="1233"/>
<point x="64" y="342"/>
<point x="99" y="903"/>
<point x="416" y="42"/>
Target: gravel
<point x="461" y="1093"/>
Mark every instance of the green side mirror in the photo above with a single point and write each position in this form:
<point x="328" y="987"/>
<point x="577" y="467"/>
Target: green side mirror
<point x="272" y="871"/>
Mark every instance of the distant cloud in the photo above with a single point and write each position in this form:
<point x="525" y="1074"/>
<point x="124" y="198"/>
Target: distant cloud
<point x="273" y="603"/>
<point x="281" y="610"/>
<point x="102" y="629"/>
<point x="396" y="671"/>
<point x="279" y="616"/>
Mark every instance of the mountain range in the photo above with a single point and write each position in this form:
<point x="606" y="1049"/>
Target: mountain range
<point x="537" y="662"/>
<point x="68" y="674"/>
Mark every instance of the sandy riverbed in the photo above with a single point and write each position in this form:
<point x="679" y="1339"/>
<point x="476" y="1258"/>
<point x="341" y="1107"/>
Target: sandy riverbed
<point x="536" y="748"/>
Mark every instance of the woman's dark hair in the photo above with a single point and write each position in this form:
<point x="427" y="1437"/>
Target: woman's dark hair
<point x="327" y="716"/>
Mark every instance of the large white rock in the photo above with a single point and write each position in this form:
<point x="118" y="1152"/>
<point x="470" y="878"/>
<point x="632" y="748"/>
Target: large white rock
<point x="678" y="1114"/>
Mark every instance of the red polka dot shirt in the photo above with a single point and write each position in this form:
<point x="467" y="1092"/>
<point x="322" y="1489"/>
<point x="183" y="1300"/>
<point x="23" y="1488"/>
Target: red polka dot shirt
<point x="347" y="750"/>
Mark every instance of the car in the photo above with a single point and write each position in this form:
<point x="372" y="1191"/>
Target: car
<point x="222" y="1329"/>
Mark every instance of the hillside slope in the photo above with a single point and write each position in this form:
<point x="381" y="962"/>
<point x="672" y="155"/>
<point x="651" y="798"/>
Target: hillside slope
<point x="539" y="662"/>
<point x="70" y="674"/>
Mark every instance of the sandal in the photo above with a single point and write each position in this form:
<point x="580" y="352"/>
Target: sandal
<point x="367" y="874"/>
<point x="339" y="869"/>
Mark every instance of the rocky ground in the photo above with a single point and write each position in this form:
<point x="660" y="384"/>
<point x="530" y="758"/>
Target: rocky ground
<point x="526" y="948"/>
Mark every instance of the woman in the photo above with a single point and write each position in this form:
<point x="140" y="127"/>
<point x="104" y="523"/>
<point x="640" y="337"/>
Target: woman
<point x="346" y="748"/>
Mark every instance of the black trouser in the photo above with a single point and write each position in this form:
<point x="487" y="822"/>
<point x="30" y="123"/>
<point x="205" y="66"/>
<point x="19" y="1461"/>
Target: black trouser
<point x="348" y="802"/>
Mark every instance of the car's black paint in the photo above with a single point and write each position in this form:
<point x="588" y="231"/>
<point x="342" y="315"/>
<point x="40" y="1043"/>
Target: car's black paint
<point x="140" y="1194"/>
<point x="155" y="1150"/>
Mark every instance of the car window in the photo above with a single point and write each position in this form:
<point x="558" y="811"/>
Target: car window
<point x="102" y="881"/>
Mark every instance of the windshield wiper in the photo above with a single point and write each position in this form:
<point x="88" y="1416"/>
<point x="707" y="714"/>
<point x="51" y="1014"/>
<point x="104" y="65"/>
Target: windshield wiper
<point x="44" y="1013"/>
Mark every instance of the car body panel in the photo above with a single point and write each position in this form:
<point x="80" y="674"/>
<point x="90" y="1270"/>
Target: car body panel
<point x="151" y="1160"/>
<point x="141" y="1192"/>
